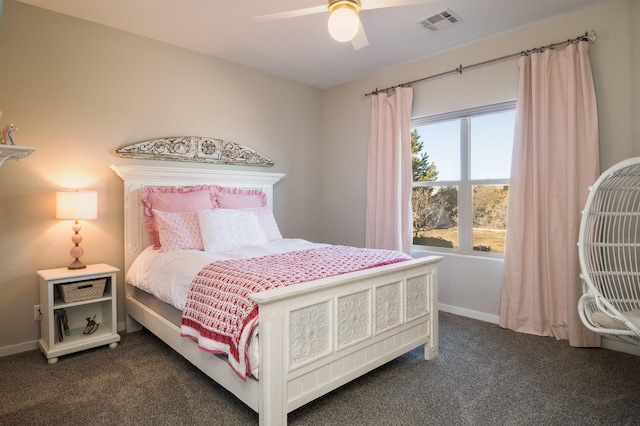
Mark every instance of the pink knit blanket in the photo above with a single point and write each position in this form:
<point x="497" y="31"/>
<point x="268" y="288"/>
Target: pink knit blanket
<point x="219" y="314"/>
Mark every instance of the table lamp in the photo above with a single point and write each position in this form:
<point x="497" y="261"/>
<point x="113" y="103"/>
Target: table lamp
<point x="76" y="205"/>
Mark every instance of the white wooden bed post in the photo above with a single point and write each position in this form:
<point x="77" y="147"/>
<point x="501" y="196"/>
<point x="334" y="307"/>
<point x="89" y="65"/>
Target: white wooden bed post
<point x="431" y="347"/>
<point x="272" y="402"/>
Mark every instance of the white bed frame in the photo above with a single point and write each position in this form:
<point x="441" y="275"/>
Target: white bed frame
<point x="315" y="336"/>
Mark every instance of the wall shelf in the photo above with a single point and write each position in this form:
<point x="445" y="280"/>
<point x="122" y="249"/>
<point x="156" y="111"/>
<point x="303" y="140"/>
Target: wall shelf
<point x="14" y="152"/>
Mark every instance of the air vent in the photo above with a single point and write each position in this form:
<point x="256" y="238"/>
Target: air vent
<point x="440" y="20"/>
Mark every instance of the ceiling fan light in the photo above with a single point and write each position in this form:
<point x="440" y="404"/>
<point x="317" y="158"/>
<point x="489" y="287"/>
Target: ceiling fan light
<point x="343" y="23"/>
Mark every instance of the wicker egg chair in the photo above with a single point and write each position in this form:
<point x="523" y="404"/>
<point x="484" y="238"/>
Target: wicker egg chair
<point x="609" y="252"/>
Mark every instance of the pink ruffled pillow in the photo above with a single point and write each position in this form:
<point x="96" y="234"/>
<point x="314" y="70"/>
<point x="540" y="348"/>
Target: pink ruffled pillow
<point x="238" y="198"/>
<point x="174" y="199"/>
<point x="178" y="230"/>
<point x="267" y="222"/>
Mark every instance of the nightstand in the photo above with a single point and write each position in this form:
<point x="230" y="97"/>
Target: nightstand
<point x="81" y="302"/>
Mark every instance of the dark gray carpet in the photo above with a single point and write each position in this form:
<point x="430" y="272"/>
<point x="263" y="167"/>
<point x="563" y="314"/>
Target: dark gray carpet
<point x="484" y="375"/>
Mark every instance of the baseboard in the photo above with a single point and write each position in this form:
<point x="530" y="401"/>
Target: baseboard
<point x="607" y="342"/>
<point x="16" y="349"/>
<point x="493" y="319"/>
<point x="29" y="346"/>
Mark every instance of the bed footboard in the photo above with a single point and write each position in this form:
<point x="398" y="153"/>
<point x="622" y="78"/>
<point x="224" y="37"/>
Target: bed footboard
<point x="317" y="336"/>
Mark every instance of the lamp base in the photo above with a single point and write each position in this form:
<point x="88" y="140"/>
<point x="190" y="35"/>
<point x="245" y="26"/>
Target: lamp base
<point x="76" y="264"/>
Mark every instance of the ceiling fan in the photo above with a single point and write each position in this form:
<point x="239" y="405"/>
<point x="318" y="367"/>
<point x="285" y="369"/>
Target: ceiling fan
<point x="344" y="23"/>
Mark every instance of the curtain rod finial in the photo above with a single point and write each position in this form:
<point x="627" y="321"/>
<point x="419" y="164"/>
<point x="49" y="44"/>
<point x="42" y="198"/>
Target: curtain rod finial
<point x="591" y="35"/>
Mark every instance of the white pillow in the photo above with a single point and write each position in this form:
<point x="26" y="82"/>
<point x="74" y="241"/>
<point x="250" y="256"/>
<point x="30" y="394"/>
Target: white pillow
<point x="267" y="222"/>
<point x="225" y="230"/>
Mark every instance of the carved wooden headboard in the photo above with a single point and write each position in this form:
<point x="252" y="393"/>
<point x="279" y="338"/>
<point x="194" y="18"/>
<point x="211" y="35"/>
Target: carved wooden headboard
<point x="137" y="177"/>
<point x="195" y="149"/>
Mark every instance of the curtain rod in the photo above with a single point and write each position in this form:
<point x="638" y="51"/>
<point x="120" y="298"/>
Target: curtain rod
<point x="587" y="36"/>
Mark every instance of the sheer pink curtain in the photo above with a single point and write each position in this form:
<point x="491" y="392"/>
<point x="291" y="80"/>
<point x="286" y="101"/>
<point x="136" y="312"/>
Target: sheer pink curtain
<point x="389" y="178"/>
<point x="555" y="159"/>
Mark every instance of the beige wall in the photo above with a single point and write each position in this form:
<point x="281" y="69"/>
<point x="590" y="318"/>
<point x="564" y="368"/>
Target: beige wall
<point x="473" y="285"/>
<point x="77" y="91"/>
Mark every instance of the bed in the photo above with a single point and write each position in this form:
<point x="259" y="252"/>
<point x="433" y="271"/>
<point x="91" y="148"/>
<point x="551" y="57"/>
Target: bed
<point x="358" y="320"/>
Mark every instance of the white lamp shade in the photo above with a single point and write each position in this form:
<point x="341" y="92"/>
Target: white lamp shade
<point x="343" y="23"/>
<point x="76" y="204"/>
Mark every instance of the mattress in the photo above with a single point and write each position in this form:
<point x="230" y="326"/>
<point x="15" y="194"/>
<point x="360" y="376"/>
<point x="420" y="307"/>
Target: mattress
<point x="164" y="309"/>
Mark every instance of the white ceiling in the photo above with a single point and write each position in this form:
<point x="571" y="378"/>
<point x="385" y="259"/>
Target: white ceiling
<point x="300" y="48"/>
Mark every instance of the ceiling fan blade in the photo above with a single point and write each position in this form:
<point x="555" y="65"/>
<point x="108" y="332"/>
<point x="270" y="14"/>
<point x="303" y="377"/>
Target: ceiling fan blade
<point x="293" y="13"/>
<point x="365" y="5"/>
<point x="360" y="40"/>
<point x="381" y="4"/>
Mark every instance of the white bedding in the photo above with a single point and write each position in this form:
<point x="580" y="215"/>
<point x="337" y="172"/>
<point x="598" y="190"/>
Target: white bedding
<point x="168" y="276"/>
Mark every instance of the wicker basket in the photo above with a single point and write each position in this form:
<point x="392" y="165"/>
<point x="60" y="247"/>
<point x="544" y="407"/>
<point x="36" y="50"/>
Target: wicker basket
<point x="82" y="290"/>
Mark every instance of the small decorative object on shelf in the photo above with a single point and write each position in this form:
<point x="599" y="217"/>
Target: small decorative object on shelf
<point x="91" y="325"/>
<point x="8" y="148"/>
<point x="7" y="134"/>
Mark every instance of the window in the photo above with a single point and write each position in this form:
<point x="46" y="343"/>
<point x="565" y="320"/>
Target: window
<point x="461" y="166"/>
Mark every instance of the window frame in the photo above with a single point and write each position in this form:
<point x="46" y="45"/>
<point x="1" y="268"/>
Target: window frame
<point x="465" y="184"/>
